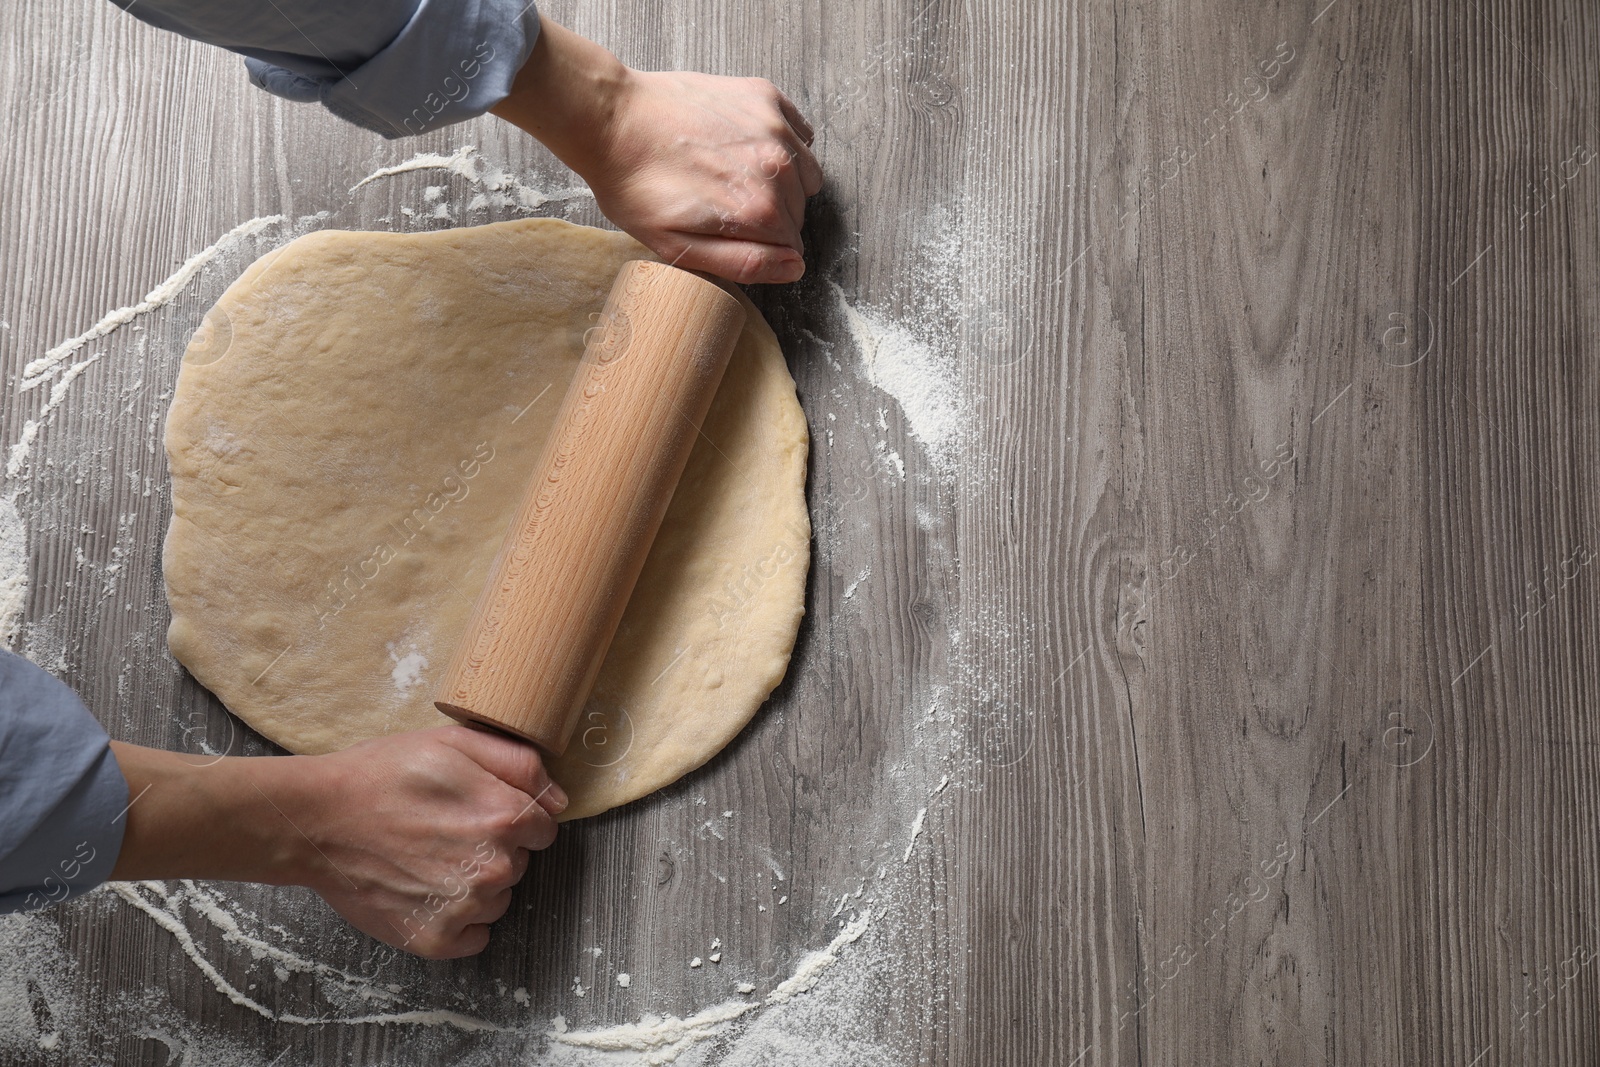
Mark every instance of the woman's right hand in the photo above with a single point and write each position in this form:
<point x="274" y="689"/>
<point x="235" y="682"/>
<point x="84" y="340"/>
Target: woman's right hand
<point x="419" y="837"/>
<point x="415" y="838"/>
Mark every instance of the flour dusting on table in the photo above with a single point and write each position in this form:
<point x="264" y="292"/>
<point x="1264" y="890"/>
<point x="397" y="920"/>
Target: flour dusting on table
<point x="30" y="428"/>
<point x="498" y="188"/>
<point x="922" y="379"/>
<point x="13" y="571"/>
<point x="36" y="372"/>
<point x="661" y="1040"/>
<point x="166" y="908"/>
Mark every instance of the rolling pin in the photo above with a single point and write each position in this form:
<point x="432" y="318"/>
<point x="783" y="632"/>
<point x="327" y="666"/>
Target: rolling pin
<point x="556" y="591"/>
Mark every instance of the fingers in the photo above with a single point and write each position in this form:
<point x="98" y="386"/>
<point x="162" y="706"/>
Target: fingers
<point x="515" y="763"/>
<point x="756" y="209"/>
<point x="443" y="834"/>
<point x="797" y="122"/>
<point x="807" y="167"/>
<point x="744" y="262"/>
<point x="468" y="941"/>
<point x="533" y="828"/>
<point x="767" y="199"/>
<point x="788" y="177"/>
<point x="800" y="154"/>
<point x="445" y="926"/>
<point x="712" y="173"/>
<point x="489" y="909"/>
<point x="784" y="177"/>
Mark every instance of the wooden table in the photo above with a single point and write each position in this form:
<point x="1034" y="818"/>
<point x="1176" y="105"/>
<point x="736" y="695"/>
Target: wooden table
<point x="1251" y="621"/>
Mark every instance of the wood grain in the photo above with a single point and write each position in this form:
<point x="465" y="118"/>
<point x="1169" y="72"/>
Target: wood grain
<point x="1254" y="629"/>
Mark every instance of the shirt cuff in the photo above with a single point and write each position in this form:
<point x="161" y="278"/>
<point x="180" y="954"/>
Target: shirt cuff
<point x="62" y="796"/>
<point x="454" y="60"/>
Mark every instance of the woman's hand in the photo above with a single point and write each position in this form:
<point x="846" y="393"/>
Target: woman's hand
<point x="711" y="173"/>
<point x="416" y="839"/>
<point x="420" y="837"/>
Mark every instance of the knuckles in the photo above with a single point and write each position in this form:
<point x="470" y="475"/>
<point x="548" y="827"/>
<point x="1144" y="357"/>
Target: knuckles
<point x="754" y="265"/>
<point x="432" y="945"/>
<point x="545" y="833"/>
<point x="510" y="815"/>
<point x="765" y="90"/>
<point x="494" y="873"/>
<point x="765" y="214"/>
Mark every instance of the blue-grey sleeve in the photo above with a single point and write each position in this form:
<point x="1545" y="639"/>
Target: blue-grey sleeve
<point x="397" y="67"/>
<point x="62" y="795"/>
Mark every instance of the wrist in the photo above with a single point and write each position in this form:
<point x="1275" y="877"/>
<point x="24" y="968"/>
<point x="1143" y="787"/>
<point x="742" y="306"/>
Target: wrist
<point x="287" y="796"/>
<point x="238" y="818"/>
<point x="568" y="96"/>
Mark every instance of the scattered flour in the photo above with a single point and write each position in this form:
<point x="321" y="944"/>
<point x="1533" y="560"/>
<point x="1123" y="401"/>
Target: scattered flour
<point x="923" y="381"/>
<point x="890" y="457"/>
<point x="40" y="369"/>
<point x="811" y="968"/>
<point x="211" y="907"/>
<point x="460" y="162"/>
<point x="497" y="188"/>
<point x="850" y="590"/>
<point x="13" y="571"/>
<point x="162" y="905"/>
<point x="772" y="863"/>
<point x="407" y="673"/>
<point x="916" y="831"/>
<point x="658" y="1040"/>
<point x="45" y="367"/>
<point x="30" y="429"/>
<point x="661" y="1040"/>
<point x="36" y="999"/>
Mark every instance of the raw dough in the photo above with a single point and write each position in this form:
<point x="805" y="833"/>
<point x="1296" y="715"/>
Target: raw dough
<point x="352" y="427"/>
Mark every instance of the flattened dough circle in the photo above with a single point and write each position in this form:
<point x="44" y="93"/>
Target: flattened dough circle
<point x="352" y="427"/>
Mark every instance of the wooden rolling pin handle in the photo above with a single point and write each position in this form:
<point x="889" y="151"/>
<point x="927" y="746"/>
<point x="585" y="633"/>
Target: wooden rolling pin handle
<point x="555" y="593"/>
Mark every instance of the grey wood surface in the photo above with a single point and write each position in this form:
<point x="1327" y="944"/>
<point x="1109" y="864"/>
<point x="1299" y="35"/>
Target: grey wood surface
<point x="1253" y="626"/>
